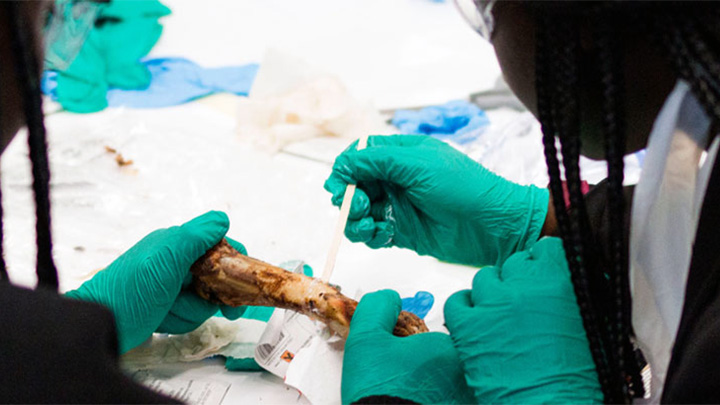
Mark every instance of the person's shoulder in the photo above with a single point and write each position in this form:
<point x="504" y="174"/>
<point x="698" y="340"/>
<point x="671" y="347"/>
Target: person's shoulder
<point x="22" y="305"/>
<point x="58" y="350"/>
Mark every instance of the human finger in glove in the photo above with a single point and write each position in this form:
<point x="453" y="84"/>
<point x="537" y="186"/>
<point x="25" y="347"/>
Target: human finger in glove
<point x="148" y="287"/>
<point x="378" y="366"/>
<point x="419" y="193"/>
<point x="519" y="332"/>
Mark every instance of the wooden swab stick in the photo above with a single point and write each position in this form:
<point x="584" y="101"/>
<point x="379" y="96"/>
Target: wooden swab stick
<point x="341" y="222"/>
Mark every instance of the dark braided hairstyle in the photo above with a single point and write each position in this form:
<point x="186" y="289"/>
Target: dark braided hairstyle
<point x="27" y="69"/>
<point x="677" y="29"/>
<point x="558" y="110"/>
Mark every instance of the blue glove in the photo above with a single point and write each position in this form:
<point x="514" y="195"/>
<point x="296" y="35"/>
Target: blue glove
<point x="148" y="287"/>
<point x="419" y="193"/>
<point x="423" y="368"/>
<point x="519" y="332"/>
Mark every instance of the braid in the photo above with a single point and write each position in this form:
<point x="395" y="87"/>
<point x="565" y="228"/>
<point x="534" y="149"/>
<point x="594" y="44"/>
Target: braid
<point x="693" y="54"/>
<point x="27" y="69"/>
<point x="609" y="50"/>
<point x="691" y="57"/>
<point x="558" y="115"/>
<point x="546" y="111"/>
<point x="590" y="275"/>
<point x="706" y="68"/>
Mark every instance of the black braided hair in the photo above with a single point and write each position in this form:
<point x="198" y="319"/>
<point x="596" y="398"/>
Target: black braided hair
<point x="691" y="53"/>
<point x="610" y="50"/>
<point x="558" y="110"/>
<point x="602" y="289"/>
<point x="27" y="69"/>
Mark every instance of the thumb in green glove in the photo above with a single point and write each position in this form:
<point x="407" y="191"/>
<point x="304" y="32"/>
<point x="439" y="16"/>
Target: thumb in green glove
<point x="519" y="332"/>
<point x="423" y="368"/>
<point x="148" y="287"/>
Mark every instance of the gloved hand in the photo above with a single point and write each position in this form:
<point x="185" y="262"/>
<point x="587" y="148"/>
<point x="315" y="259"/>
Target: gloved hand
<point x="419" y="193"/>
<point x="124" y="33"/>
<point x="423" y="368"/>
<point x="147" y="288"/>
<point x="519" y="332"/>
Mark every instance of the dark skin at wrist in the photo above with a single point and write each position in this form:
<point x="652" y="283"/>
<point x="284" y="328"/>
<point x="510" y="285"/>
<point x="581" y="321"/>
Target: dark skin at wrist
<point x="550" y="227"/>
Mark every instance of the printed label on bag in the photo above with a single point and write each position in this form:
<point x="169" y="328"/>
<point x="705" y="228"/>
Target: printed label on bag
<point x="286" y="333"/>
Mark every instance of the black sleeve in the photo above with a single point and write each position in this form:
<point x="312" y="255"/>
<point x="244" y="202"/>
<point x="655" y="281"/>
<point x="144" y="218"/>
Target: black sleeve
<point x="694" y="372"/>
<point x="57" y="350"/>
<point x="599" y="215"/>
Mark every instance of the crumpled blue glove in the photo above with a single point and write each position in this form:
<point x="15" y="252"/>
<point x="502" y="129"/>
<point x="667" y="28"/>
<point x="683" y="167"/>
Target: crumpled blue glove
<point x="419" y="193"/>
<point x="148" y="287"/>
<point x="519" y="332"/>
<point x="423" y="368"/>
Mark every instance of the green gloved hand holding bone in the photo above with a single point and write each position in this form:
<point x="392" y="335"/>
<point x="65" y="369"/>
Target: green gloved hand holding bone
<point x="148" y="287"/>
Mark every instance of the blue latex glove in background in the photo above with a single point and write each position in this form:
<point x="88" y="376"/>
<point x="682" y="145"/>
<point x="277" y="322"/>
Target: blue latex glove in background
<point x="458" y="121"/>
<point x="178" y="80"/>
<point x="519" y="332"/>
<point x="148" y="287"/>
<point x="173" y="81"/>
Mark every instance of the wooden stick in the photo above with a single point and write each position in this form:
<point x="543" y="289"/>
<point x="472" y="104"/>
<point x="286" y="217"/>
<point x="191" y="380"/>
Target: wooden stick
<point x="341" y="222"/>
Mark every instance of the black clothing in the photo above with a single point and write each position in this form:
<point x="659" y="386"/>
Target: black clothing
<point x="57" y="350"/>
<point x="694" y="371"/>
<point x="599" y="215"/>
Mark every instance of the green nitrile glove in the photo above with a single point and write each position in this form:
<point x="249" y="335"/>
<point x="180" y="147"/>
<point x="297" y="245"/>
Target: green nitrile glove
<point x="125" y="32"/>
<point x="419" y="193"/>
<point x="148" y="287"/>
<point x="519" y="332"/>
<point x="423" y="368"/>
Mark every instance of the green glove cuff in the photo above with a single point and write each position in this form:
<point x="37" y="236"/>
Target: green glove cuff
<point x="245" y="364"/>
<point x="538" y="201"/>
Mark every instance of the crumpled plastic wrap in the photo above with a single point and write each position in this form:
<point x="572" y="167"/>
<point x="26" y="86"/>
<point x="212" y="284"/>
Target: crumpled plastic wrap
<point x="217" y="336"/>
<point x="291" y="101"/>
